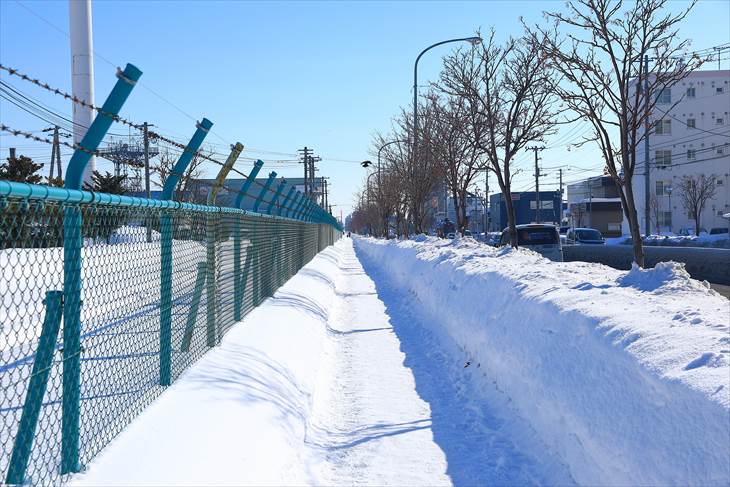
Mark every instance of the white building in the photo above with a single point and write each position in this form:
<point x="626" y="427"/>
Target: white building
<point x="690" y="136"/>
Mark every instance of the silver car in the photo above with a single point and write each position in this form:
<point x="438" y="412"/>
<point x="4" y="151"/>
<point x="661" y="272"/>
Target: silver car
<point x="542" y="238"/>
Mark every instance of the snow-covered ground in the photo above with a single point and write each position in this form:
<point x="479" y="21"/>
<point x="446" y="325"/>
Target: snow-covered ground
<point x="433" y="363"/>
<point x="624" y="376"/>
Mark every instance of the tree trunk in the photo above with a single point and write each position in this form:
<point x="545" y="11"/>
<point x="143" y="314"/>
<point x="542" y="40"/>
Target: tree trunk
<point x="511" y="220"/>
<point x="697" y="223"/>
<point x="456" y="199"/>
<point x="632" y="217"/>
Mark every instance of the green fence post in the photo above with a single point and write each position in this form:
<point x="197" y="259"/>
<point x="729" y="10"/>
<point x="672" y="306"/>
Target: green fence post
<point x="275" y="200"/>
<point x="256" y="281"/>
<point x="72" y="245"/>
<point x="213" y="221"/>
<point x="300" y="207"/>
<point x="239" y="282"/>
<point x="286" y="201"/>
<point x="247" y="184"/>
<point x="194" y="305"/>
<point x="36" y="389"/>
<point x="237" y="287"/>
<point x="263" y="192"/>
<point x="166" y="225"/>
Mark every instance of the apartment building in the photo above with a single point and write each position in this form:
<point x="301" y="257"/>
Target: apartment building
<point x="690" y="136"/>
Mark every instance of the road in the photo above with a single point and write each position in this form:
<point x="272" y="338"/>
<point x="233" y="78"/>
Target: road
<point x="722" y="289"/>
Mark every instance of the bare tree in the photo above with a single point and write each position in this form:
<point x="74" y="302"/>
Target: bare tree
<point x="450" y="144"/>
<point x="188" y="185"/>
<point x="509" y="96"/>
<point x="601" y="53"/>
<point x="417" y="176"/>
<point x="695" y="192"/>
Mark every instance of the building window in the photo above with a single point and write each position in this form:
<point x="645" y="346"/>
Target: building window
<point x="665" y="219"/>
<point x="663" y="127"/>
<point x="663" y="158"/>
<point x="720" y="150"/>
<point x="720" y="213"/>
<point x="691" y="123"/>
<point x="720" y="89"/>
<point x="661" y="188"/>
<point x="719" y="121"/>
<point x="718" y="182"/>
<point x="665" y="96"/>
<point x="690" y="92"/>
<point x="691" y="154"/>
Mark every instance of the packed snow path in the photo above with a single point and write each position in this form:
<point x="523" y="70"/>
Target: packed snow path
<point x="386" y="363"/>
<point x="333" y="381"/>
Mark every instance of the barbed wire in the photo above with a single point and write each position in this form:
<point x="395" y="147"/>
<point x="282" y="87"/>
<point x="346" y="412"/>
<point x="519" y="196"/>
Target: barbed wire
<point x="68" y="96"/>
<point x="28" y="135"/>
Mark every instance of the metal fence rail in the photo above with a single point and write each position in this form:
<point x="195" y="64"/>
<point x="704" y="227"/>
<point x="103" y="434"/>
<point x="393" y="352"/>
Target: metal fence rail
<point x="160" y="283"/>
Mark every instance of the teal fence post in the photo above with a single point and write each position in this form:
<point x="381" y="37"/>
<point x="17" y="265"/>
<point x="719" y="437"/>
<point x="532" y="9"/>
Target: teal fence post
<point x="166" y="224"/>
<point x="237" y="286"/>
<point x="194" y="304"/>
<point x="256" y="280"/>
<point x="300" y="205"/>
<point x="275" y="200"/>
<point x="247" y="184"/>
<point x="213" y="222"/>
<point x="36" y="389"/>
<point x="285" y="203"/>
<point x="72" y="245"/>
<point x="263" y="192"/>
<point x="239" y="283"/>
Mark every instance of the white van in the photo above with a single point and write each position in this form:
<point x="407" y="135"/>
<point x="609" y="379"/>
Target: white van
<point x="542" y="238"/>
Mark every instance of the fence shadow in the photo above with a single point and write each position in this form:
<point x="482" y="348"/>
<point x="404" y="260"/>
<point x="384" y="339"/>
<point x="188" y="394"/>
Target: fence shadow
<point x="476" y="441"/>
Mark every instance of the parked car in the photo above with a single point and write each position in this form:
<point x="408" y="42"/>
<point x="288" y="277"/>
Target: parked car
<point x="451" y="235"/>
<point x="718" y="230"/>
<point x="690" y="231"/>
<point x="543" y="239"/>
<point x="467" y="233"/>
<point x="584" y="236"/>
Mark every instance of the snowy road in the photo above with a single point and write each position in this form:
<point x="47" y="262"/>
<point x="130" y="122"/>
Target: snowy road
<point x="333" y="381"/>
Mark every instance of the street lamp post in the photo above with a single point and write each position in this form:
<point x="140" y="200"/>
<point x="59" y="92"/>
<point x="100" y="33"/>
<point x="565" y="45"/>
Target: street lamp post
<point x="380" y="150"/>
<point x="473" y="40"/>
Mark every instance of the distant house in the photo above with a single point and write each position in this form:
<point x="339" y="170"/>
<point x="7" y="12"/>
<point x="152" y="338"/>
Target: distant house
<point x="595" y="203"/>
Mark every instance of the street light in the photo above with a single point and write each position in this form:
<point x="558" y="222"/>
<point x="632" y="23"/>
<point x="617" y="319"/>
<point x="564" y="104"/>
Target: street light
<point x="472" y="40"/>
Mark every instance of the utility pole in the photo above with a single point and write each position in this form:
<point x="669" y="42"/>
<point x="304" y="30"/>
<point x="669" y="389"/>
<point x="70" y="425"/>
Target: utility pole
<point x="55" y="152"/>
<point x="537" y="182"/>
<point x="148" y="194"/>
<point x="647" y="185"/>
<point x="305" y="160"/>
<point x="561" y="186"/>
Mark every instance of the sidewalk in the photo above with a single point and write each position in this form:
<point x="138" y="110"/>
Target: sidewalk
<point x="310" y="388"/>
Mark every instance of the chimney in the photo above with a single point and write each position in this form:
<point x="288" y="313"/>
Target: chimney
<point x="12" y="153"/>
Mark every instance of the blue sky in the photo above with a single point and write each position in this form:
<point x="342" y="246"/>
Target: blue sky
<point x="277" y="76"/>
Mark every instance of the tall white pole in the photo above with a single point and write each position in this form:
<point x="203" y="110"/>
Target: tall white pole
<point x="82" y="71"/>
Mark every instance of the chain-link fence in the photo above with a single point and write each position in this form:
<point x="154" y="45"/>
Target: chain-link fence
<point x="157" y="284"/>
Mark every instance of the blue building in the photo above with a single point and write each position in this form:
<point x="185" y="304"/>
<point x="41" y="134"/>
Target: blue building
<point x="525" y="205"/>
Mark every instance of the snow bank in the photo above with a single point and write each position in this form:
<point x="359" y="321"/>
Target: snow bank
<point x="623" y="375"/>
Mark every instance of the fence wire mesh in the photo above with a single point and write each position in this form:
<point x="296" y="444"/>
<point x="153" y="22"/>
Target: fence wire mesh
<point x="222" y="263"/>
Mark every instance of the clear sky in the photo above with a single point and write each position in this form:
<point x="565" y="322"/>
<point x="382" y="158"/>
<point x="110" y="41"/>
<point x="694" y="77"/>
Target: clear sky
<point x="277" y="76"/>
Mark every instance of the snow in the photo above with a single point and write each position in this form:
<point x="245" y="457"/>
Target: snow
<point x="432" y="362"/>
<point x="309" y="389"/>
<point x="623" y="376"/>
